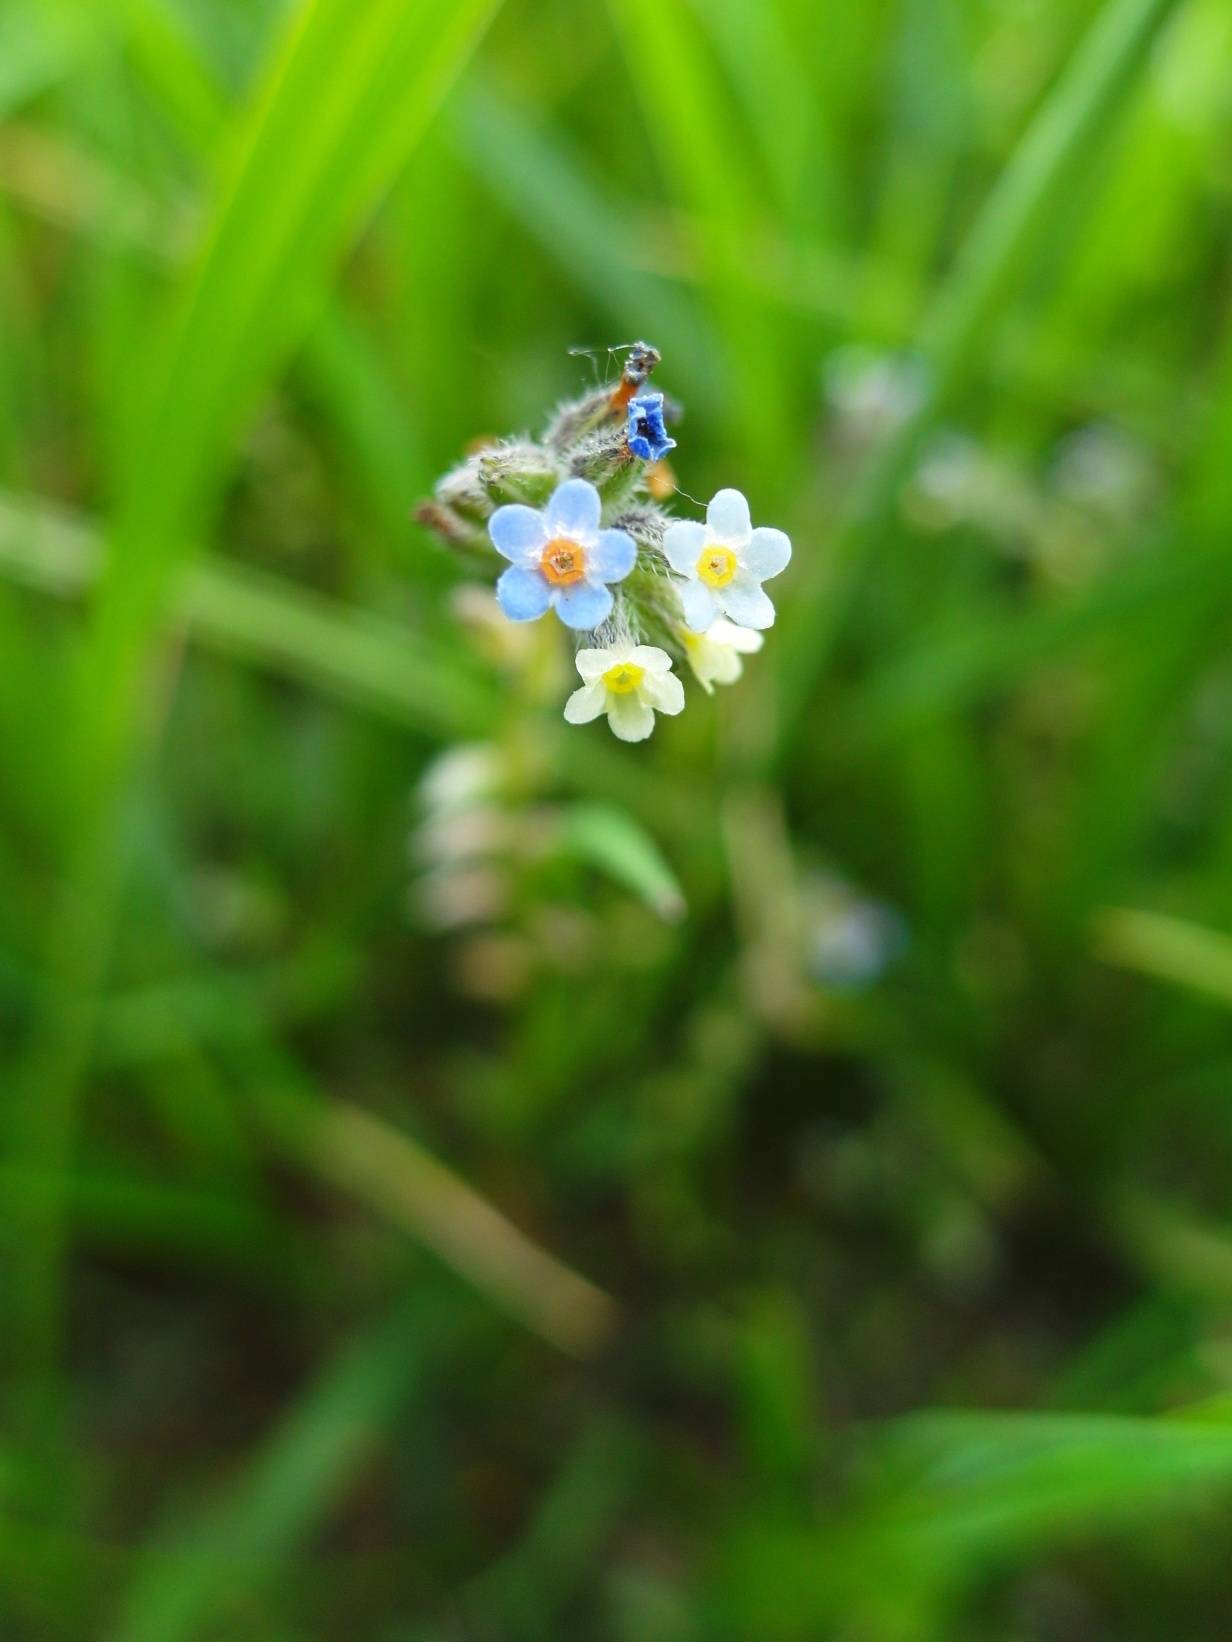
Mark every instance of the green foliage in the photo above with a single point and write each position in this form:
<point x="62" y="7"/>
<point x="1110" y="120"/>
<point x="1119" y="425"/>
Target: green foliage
<point x="463" y="1178"/>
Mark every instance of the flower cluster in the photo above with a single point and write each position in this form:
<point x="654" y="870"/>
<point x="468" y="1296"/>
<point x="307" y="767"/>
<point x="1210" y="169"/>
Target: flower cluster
<point x="577" y="517"/>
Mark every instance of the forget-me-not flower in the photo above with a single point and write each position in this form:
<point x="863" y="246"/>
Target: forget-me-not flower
<point x="559" y="557"/>
<point x="628" y="682"/>
<point x="723" y="564"/>
<point x="647" y="434"/>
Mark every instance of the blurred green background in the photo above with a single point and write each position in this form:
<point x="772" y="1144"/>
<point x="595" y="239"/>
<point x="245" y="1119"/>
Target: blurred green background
<point x="465" y="1180"/>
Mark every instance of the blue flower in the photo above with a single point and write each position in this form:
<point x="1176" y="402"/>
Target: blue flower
<point x="559" y="558"/>
<point x="646" y="436"/>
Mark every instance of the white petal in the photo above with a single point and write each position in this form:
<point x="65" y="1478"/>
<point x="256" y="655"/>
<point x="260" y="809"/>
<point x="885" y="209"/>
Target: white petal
<point x="768" y="552"/>
<point x="630" y="718"/>
<point x="697" y="605"/>
<point x="698" y="655"/>
<point x="592" y="664"/>
<point x="743" y="639"/>
<point x="663" y="691"/>
<point x="683" y="543"/>
<point x="651" y="658"/>
<point x="585" y="704"/>
<point x="727" y="518"/>
<point x="713" y="662"/>
<point x="746" y="604"/>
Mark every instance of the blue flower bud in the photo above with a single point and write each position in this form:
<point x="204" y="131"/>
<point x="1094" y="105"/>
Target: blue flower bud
<point x="646" y="435"/>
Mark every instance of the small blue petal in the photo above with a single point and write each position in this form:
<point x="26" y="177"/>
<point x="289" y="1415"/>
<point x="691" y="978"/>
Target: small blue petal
<point x="585" y="605"/>
<point x="647" y="436"/>
<point x="517" y="531"/>
<point x="573" y="511"/>
<point x="612" y="557"/>
<point x="523" y="594"/>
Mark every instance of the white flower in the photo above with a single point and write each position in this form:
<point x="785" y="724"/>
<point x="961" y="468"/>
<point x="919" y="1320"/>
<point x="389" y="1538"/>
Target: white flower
<point x="715" y="654"/>
<point x="628" y="682"/>
<point x="724" y="562"/>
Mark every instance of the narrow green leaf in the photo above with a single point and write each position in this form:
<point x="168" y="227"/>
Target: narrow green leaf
<point x="342" y="103"/>
<point x="258" y="618"/>
<point x="687" y="107"/>
<point x="579" y="225"/>
<point x="209" y="1568"/>
<point x="344" y="96"/>
<point x="992" y="1482"/>
<point x="614" y="842"/>
<point x="1167" y="949"/>
<point x="961" y="325"/>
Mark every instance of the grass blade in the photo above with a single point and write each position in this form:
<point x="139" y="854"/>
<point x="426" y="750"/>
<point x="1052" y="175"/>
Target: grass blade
<point x="1006" y="237"/>
<point x="341" y="103"/>
<point x="1167" y="949"/>
<point x="222" y="1559"/>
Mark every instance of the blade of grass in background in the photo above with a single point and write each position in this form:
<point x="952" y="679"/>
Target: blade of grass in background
<point x="951" y="1496"/>
<point x="1167" y="949"/>
<point x="1150" y="691"/>
<point x="787" y="119"/>
<point x="689" y="118"/>
<point x="993" y="1482"/>
<point x="953" y="670"/>
<point x="575" y="220"/>
<point x="342" y="106"/>
<point x="531" y="1585"/>
<point x="342" y="102"/>
<point x="608" y="839"/>
<point x="929" y="109"/>
<point x="393" y="1174"/>
<point x="1061" y="139"/>
<point x="351" y="655"/>
<point x="262" y="619"/>
<point x="211" y="1568"/>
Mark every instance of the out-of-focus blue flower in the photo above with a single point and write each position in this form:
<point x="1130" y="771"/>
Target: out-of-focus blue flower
<point x="559" y="557"/>
<point x="647" y="435"/>
<point x="852" y="939"/>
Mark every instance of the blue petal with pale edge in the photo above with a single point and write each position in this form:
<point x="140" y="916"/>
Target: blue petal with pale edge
<point x="523" y="594"/>
<point x="517" y="531"/>
<point x="612" y="557"/>
<point x="584" y="605"/>
<point x="573" y="511"/>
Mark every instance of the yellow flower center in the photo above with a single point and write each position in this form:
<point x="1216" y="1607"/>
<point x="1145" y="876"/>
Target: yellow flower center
<point x="563" y="562"/>
<point x="624" y="677"/>
<point x="717" y="565"/>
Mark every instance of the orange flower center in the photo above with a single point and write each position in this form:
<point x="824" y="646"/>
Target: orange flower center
<point x="563" y="562"/>
<point x="717" y="565"/>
